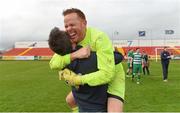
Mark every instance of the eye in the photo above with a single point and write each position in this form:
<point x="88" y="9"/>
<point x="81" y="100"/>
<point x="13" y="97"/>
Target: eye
<point x="66" y="26"/>
<point x="71" y="25"/>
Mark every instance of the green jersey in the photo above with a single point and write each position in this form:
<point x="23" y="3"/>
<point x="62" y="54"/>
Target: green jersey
<point x="100" y="43"/>
<point x="130" y="54"/>
<point x="137" y="58"/>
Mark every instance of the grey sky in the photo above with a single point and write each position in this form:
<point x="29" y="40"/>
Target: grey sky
<point x="31" y="20"/>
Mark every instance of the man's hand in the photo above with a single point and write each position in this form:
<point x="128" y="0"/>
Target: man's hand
<point x="168" y="57"/>
<point x="81" y="53"/>
<point x="70" y="77"/>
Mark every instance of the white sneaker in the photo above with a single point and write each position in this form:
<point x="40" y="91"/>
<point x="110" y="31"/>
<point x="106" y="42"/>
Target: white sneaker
<point x="165" y="80"/>
<point x="128" y="75"/>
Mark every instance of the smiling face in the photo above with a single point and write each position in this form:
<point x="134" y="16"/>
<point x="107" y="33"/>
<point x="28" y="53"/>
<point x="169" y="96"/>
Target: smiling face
<point x="75" y="27"/>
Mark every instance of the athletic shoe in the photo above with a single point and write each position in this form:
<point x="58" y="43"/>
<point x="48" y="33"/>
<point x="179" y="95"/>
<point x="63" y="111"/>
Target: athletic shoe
<point x="132" y="79"/>
<point x="128" y="75"/>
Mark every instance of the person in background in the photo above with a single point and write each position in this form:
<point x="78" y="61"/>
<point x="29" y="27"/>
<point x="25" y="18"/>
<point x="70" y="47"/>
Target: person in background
<point x="129" y="66"/>
<point x="137" y="65"/>
<point x="145" y="63"/>
<point x="165" y="59"/>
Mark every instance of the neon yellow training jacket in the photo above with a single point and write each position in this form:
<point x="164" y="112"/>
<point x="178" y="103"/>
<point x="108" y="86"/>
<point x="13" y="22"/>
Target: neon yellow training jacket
<point x="100" y="43"/>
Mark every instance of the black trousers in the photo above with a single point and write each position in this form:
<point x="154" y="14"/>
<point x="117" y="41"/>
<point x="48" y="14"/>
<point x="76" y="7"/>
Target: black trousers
<point x="165" y="65"/>
<point x="145" y="68"/>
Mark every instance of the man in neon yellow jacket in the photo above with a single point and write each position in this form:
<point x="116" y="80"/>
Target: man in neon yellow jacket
<point x="75" y="25"/>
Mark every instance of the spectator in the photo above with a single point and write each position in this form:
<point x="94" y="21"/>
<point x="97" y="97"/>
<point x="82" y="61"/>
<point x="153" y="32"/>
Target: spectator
<point x="165" y="59"/>
<point x="145" y="63"/>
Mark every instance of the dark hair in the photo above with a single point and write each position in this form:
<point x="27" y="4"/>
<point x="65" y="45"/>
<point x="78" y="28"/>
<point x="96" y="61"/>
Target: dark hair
<point x="74" y="10"/>
<point x="59" y="41"/>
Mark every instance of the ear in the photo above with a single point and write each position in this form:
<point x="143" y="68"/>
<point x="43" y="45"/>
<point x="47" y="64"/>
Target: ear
<point x="85" y="22"/>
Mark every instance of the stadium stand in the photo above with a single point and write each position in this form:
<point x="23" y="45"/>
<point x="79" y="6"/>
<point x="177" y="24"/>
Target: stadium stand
<point x="41" y="49"/>
<point x="39" y="52"/>
<point x="29" y="52"/>
<point x="14" y="52"/>
<point x="151" y="50"/>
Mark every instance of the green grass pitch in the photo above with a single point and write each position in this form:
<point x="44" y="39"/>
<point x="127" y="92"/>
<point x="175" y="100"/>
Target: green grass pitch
<point x="30" y="86"/>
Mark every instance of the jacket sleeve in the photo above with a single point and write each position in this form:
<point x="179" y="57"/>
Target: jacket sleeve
<point x="165" y="57"/>
<point x="105" y="62"/>
<point x="59" y="62"/>
<point x="162" y="56"/>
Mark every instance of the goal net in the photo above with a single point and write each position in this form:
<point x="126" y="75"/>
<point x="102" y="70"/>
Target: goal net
<point x="174" y="52"/>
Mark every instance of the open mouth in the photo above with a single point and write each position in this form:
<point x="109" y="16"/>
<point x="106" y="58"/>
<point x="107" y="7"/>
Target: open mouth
<point x="72" y="35"/>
